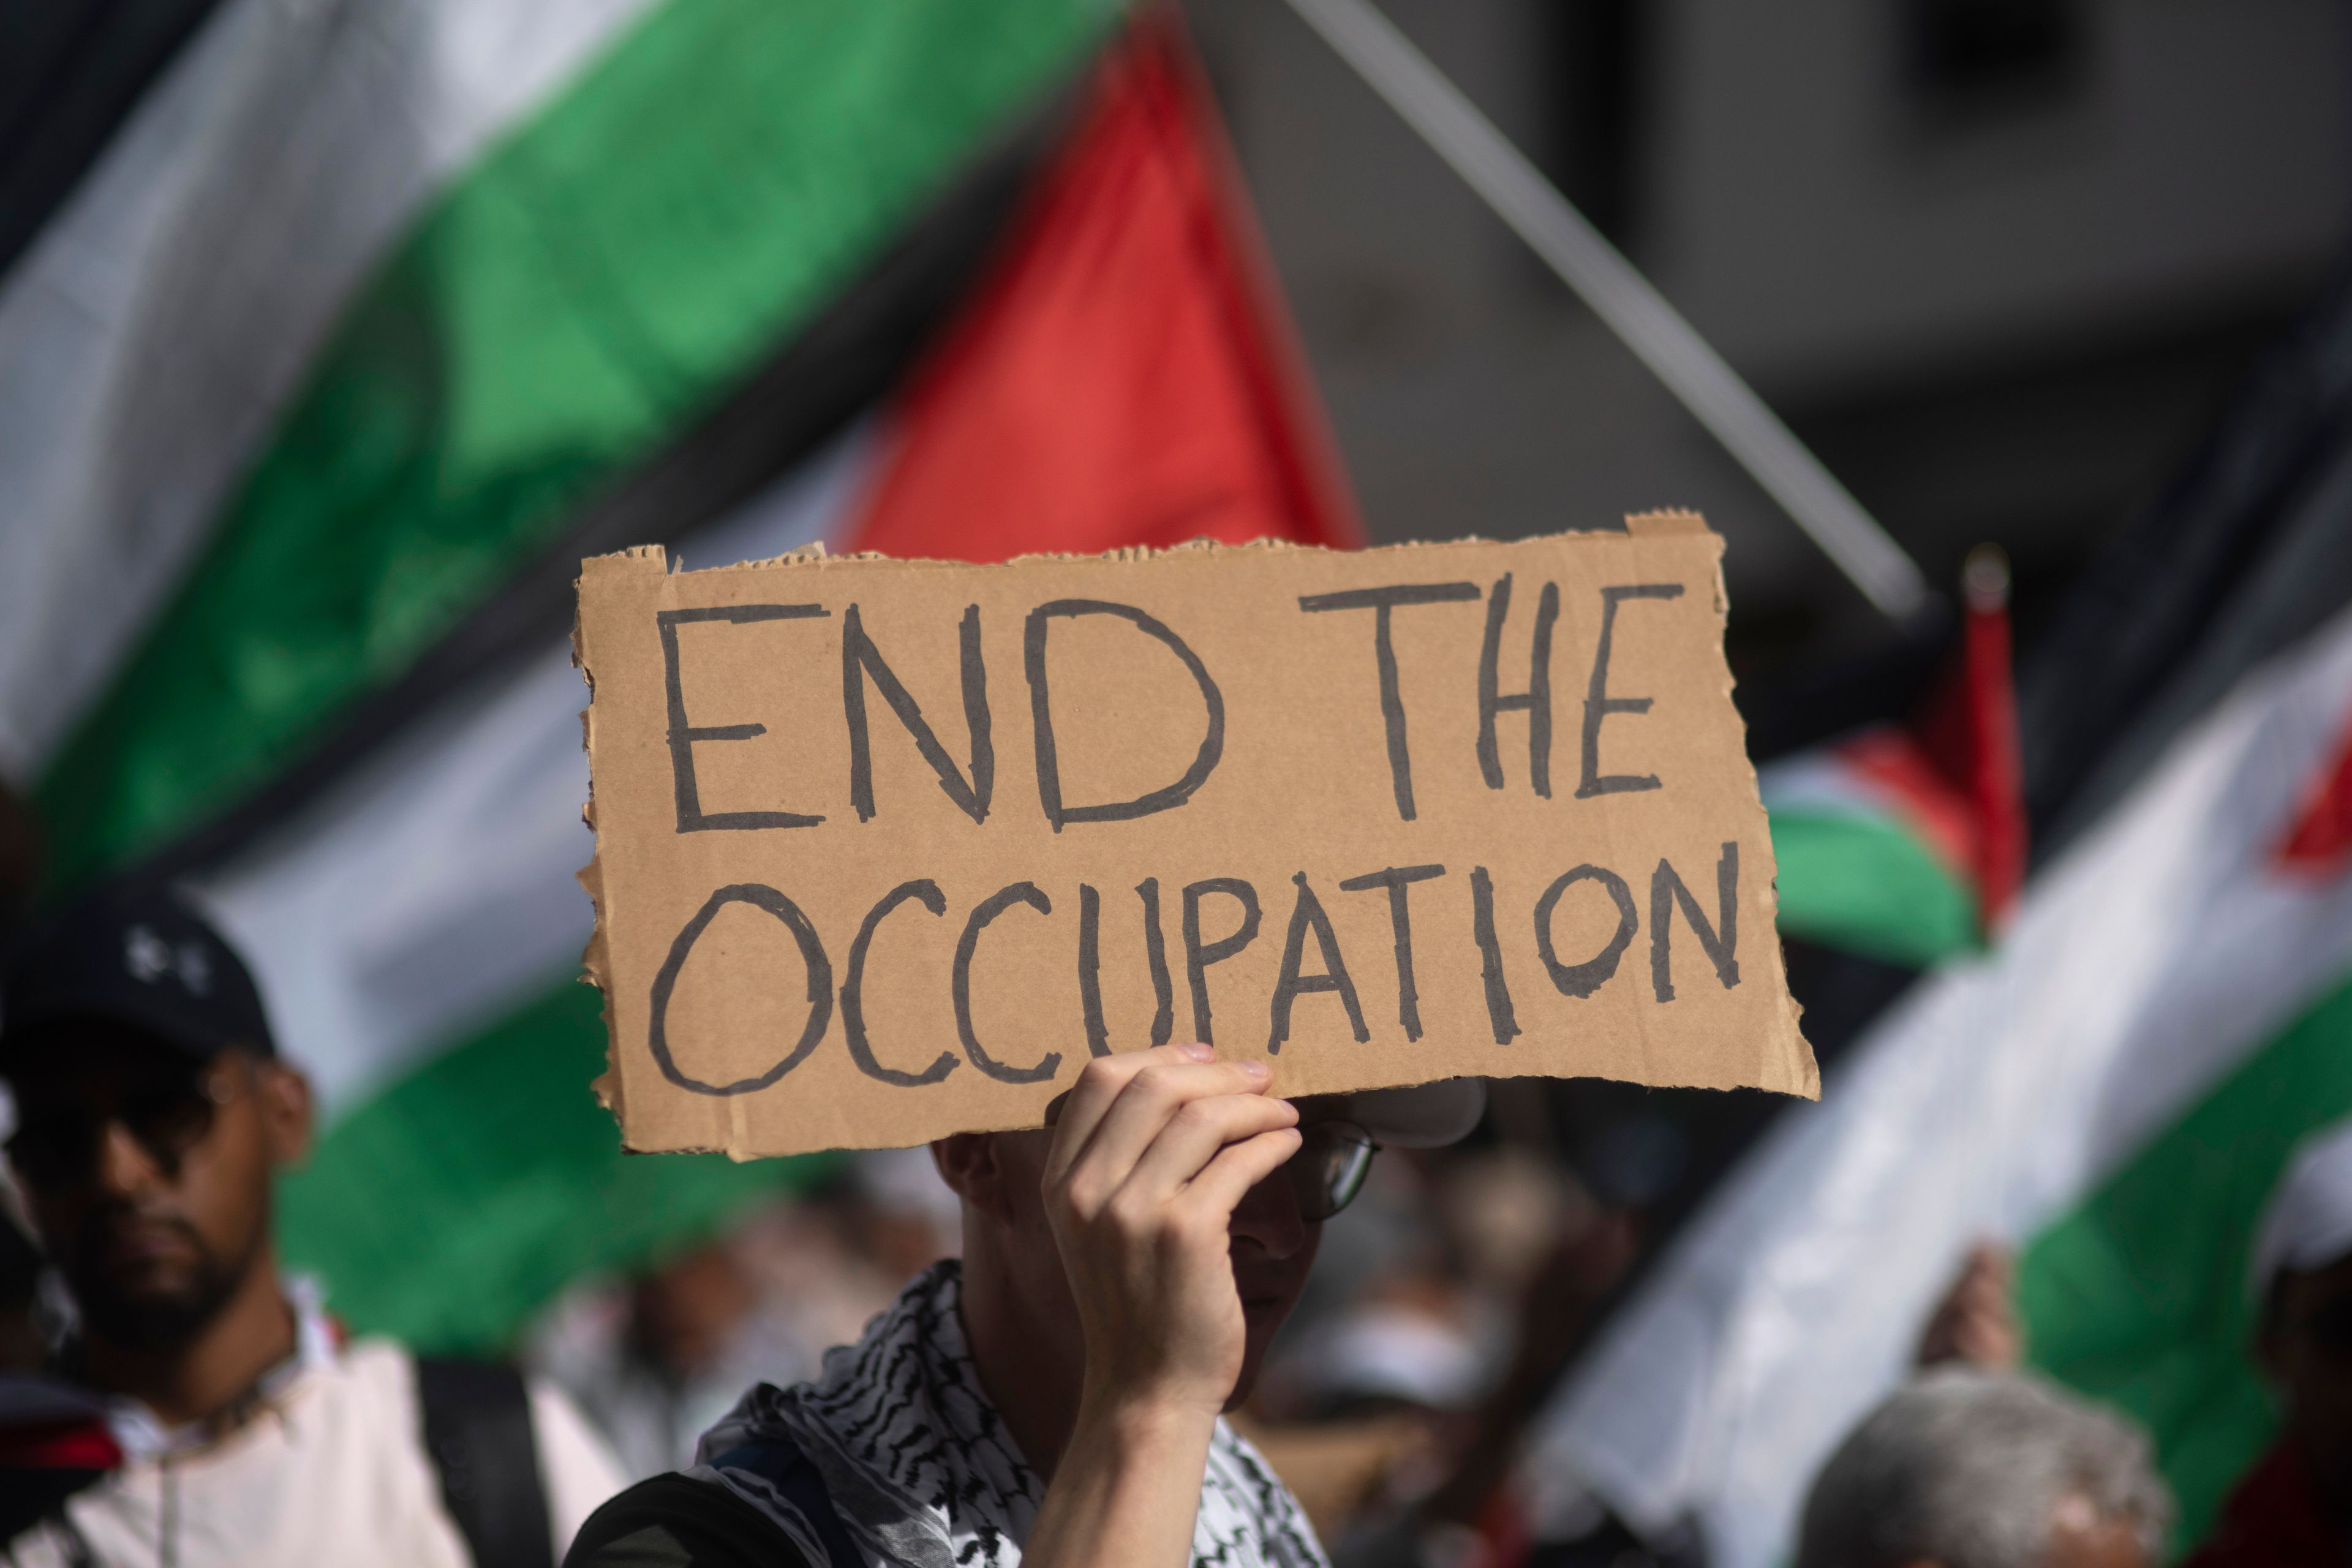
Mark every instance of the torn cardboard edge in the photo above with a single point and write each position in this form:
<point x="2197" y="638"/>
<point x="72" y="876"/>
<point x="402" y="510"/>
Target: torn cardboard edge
<point x="652" y="560"/>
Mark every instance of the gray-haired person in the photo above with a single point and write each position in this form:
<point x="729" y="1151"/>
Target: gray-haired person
<point x="1964" y="1468"/>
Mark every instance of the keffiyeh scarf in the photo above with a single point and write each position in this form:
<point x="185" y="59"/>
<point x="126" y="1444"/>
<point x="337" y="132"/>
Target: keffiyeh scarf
<point x="922" y="1472"/>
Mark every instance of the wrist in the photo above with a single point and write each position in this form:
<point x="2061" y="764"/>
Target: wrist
<point x="1127" y="1488"/>
<point x="1141" y="1425"/>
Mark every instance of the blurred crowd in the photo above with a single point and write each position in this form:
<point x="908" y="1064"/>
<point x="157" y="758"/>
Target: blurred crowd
<point x="1449" y="1296"/>
<point x="1445" y="1303"/>
<point x="1444" y="1300"/>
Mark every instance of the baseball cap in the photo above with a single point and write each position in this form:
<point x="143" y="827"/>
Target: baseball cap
<point x="1420" y="1115"/>
<point x="140" y="957"/>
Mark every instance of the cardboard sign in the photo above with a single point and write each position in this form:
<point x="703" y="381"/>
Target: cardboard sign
<point x="886" y="850"/>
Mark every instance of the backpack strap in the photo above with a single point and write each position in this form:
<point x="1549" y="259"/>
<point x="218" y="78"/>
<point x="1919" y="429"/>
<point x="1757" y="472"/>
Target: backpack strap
<point x="43" y="1464"/>
<point x="779" y="1461"/>
<point x="478" y="1432"/>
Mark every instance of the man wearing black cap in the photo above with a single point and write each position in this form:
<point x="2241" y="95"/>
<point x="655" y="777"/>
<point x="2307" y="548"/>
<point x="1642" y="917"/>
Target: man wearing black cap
<point x="203" y="1412"/>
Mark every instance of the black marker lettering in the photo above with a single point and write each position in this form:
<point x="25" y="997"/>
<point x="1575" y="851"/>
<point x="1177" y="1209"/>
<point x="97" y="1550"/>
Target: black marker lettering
<point x="1155" y="952"/>
<point x="995" y="904"/>
<point x="1307" y="915"/>
<point x="1599" y="704"/>
<point x="691" y="818"/>
<point x="1397" y="879"/>
<point x="820" y="985"/>
<point x="1041" y="712"/>
<point x="852" y="989"/>
<point x="1198" y="955"/>
<point x="1720" y="941"/>
<point x="1499" y="1014"/>
<point x="1090" y="969"/>
<point x="1382" y="602"/>
<point x="1536" y="699"/>
<point x="859" y="655"/>
<point x="1584" y="979"/>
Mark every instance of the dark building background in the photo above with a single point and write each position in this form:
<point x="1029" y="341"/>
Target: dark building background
<point x="1997" y="261"/>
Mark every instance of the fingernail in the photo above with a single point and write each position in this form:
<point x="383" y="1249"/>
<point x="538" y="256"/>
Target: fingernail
<point x="1195" y="1051"/>
<point x="1255" y="1069"/>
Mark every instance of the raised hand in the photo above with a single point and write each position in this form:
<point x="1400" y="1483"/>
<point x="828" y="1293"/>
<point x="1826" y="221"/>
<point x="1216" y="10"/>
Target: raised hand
<point x="1977" y="1321"/>
<point x="1151" y="1153"/>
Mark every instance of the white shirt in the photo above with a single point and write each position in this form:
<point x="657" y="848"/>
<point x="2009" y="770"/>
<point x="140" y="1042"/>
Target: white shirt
<point x="331" y="1470"/>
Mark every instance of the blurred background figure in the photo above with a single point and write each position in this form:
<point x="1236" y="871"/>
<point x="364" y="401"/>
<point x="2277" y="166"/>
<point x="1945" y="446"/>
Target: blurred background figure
<point x="653" y="1361"/>
<point x="199" y="1407"/>
<point x="1975" y="1463"/>
<point x="656" y="1357"/>
<point x="1969" y="1469"/>
<point x="1445" y="1300"/>
<point x="2294" y="1507"/>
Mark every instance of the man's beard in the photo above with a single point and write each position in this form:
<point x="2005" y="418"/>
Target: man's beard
<point x="153" y="1320"/>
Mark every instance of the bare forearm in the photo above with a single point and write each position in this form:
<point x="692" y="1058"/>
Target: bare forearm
<point x="1126" y="1490"/>
<point x="1153" y="1152"/>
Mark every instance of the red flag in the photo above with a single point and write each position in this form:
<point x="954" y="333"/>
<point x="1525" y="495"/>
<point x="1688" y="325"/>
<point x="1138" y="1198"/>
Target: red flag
<point x="1975" y="737"/>
<point x="1125" y="374"/>
<point x="2320" y="843"/>
<point x="1954" y="773"/>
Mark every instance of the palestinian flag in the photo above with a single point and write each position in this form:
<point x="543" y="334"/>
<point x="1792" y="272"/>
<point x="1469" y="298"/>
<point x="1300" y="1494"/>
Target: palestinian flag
<point x="2116" y="1089"/>
<point x="2115" y="1086"/>
<point x="1905" y="842"/>
<point x="339" y="333"/>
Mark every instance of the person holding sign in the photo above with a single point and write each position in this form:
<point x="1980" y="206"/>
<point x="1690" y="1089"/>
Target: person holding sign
<point x="891" y="851"/>
<point x="1057" y="1398"/>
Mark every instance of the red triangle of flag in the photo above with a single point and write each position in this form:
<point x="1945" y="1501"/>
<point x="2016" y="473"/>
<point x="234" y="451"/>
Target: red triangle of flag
<point x="1123" y="375"/>
<point x="2320" y="842"/>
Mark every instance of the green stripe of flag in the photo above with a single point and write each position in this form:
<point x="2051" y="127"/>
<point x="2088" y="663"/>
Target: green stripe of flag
<point x="447" y="1209"/>
<point x="593" y="285"/>
<point x="1859" y="881"/>
<point x="2139" y="1295"/>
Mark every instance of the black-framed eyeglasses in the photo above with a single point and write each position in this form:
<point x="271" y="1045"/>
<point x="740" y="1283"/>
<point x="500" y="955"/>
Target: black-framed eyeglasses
<point x="1330" y="1168"/>
<point x="58" y="1143"/>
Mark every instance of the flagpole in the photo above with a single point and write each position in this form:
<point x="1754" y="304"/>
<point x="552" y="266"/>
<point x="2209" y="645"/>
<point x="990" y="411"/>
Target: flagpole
<point x="1625" y="300"/>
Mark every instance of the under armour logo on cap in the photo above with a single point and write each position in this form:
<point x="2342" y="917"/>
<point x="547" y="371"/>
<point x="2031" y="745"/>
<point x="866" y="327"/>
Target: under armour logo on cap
<point x="138" y="957"/>
<point x="147" y="957"/>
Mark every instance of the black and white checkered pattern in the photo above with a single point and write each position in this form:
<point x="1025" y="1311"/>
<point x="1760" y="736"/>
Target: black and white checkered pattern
<point x="922" y="1472"/>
